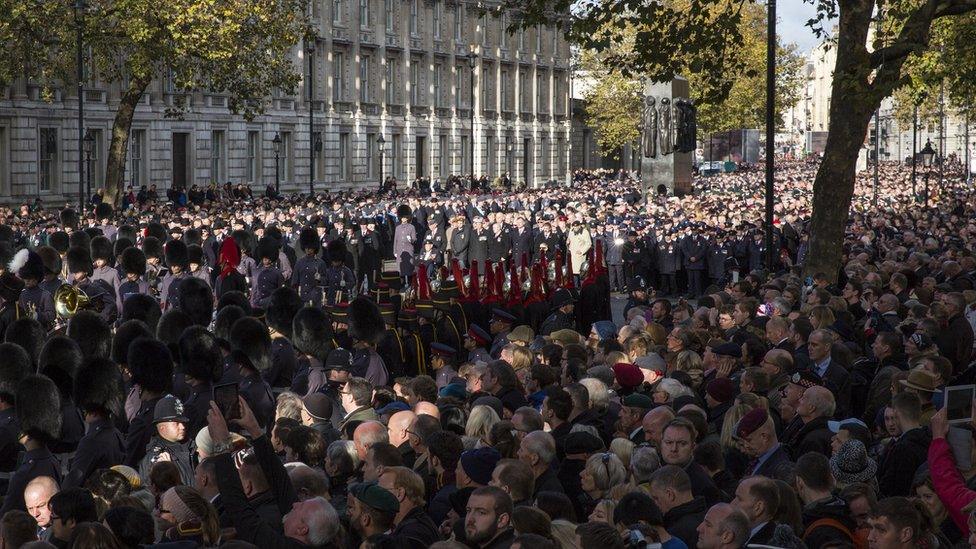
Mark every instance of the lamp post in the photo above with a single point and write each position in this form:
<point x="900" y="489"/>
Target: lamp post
<point x="914" y="149"/>
<point x="89" y="147"/>
<point x="472" y="64"/>
<point x="379" y="145"/>
<point x="770" y="128"/>
<point x="927" y="154"/>
<point x="310" y="50"/>
<point x="276" y="143"/>
<point x="79" y="8"/>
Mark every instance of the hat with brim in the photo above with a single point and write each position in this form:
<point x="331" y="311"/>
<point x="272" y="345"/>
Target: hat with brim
<point x="852" y="464"/>
<point x="521" y="334"/>
<point x="920" y="380"/>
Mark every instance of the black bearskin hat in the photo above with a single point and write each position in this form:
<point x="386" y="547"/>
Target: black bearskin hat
<point x="365" y="321"/>
<point x="39" y="408"/>
<point x="79" y="261"/>
<point x="312" y="332"/>
<point x="151" y="365"/>
<point x="103" y="210"/>
<point x="192" y="236"/>
<point x="200" y="354"/>
<point x="98" y="388"/>
<point x="282" y="307"/>
<point x="29" y="335"/>
<point x="125" y="334"/>
<point x="10" y="287"/>
<point x="92" y="334"/>
<point x="251" y="337"/>
<point x="121" y="244"/>
<point x="27" y="264"/>
<point x="101" y="248"/>
<point x="6" y="253"/>
<point x="268" y="248"/>
<point x="59" y="241"/>
<point x="6" y="233"/>
<point x="80" y="239"/>
<point x="50" y="258"/>
<point x="194" y="254"/>
<point x="152" y="247"/>
<point x="133" y="261"/>
<point x="244" y="240"/>
<point x="15" y="366"/>
<point x="127" y="232"/>
<point x="404" y="211"/>
<point x="143" y="308"/>
<point x="157" y="231"/>
<point x="175" y="251"/>
<point x="308" y="239"/>
<point x="92" y="232"/>
<point x="60" y="353"/>
<point x="196" y="300"/>
<point x="337" y="250"/>
<point x="69" y="218"/>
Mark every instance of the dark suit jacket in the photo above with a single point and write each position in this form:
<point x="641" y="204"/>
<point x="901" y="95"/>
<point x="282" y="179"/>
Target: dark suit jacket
<point x="771" y="465"/>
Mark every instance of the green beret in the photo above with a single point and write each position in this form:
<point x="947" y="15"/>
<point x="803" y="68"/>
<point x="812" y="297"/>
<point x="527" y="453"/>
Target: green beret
<point x="375" y="496"/>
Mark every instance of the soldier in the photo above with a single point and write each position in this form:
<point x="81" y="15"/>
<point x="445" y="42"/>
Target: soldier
<point x="39" y="414"/>
<point x="168" y="442"/>
<point x="202" y="364"/>
<point x="480" y="239"/>
<point x="339" y="282"/>
<point x="442" y="363"/>
<point x="404" y="239"/>
<point x="719" y="251"/>
<point x="693" y="250"/>
<point x="415" y="348"/>
<point x="430" y="256"/>
<point x="103" y="258"/>
<point x="310" y="271"/>
<point x="177" y="260"/>
<point x="460" y="240"/>
<point x="155" y="271"/>
<point x="313" y="340"/>
<point x="254" y="389"/>
<point x="197" y="264"/>
<point x="151" y="365"/>
<point x="52" y="269"/>
<point x="370" y="261"/>
<point x="500" y="326"/>
<point x="390" y="346"/>
<point x="366" y="326"/>
<point x="562" y="313"/>
<point x="667" y="265"/>
<point x="100" y="294"/>
<point x="267" y="277"/>
<point x="475" y="341"/>
<point x="33" y="299"/>
<point x="547" y="241"/>
<point x="98" y="395"/>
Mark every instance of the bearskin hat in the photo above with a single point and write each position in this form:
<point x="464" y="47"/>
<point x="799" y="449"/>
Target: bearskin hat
<point x="143" y="308"/>
<point x="157" y="231"/>
<point x="121" y="245"/>
<point x="404" y="211"/>
<point x="268" y="248"/>
<point x="151" y="365"/>
<point x="272" y="231"/>
<point x="103" y="210"/>
<point x="365" y="321"/>
<point x="79" y="260"/>
<point x="244" y="240"/>
<point x="282" y="307"/>
<point x="337" y="250"/>
<point x="59" y="241"/>
<point x="29" y="335"/>
<point x="152" y="247"/>
<point x="27" y="264"/>
<point x="127" y="232"/>
<point x="98" y="388"/>
<point x="200" y="354"/>
<point x="196" y="300"/>
<point x="15" y="366"/>
<point x="312" y="332"/>
<point x="39" y="408"/>
<point x="68" y="217"/>
<point x="6" y="233"/>
<point x="176" y="254"/>
<point x="10" y="286"/>
<point x="308" y="239"/>
<point x="60" y="362"/>
<point x="80" y="239"/>
<point x="101" y="248"/>
<point x="92" y="334"/>
<point x="251" y="337"/>
<point x="50" y="258"/>
<point x="92" y="232"/>
<point x="133" y="261"/>
<point x="192" y="236"/>
<point x="125" y="334"/>
<point x="194" y="254"/>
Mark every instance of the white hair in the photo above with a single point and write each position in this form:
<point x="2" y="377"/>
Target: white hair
<point x="323" y="523"/>
<point x="599" y="395"/>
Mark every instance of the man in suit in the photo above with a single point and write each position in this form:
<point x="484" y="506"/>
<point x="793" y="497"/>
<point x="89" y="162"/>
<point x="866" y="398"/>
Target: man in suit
<point x="521" y="241"/>
<point x="757" y="431"/>
<point x="834" y="375"/>
<point x="693" y="250"/>
<point x="480" y="238"/>
<point x="758" y="498"/>
<point x="460" y="240"/>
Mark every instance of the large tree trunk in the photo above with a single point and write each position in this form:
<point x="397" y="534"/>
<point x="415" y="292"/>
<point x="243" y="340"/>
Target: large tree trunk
<point x="115" y="171"/>
<point x="852" y="103"/>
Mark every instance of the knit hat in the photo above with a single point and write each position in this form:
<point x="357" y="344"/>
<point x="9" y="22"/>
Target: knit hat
<point x="851" y="463"/>
<point x="130" y="474"/>
<point x="479" y="463"/>
<point x="627" y="375"/>
<point x="721" y="389"/>
<point x="922" y="341"/>
<point x="171" y="501"/>
<point x="605" y="329"/>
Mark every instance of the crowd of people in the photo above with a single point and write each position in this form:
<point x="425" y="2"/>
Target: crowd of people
<point x="420" y="369"/>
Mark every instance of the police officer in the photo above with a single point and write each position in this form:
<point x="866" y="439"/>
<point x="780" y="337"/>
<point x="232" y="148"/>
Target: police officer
<point x="500" y="326"/>
<point x="638" y="294"/>
<point x="169" y="441"/>
<point x="561" y="317"/>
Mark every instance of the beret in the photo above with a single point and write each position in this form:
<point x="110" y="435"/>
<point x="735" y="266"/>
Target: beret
<point x="721" y="389"/>
<point x="455" y="390"/>
<point x="638" y="400"/>
<point x="582" y="442"/>
<point x="392" y="408"/>
<point x="627" y="375"/>
<point x="751" y="422"/>
<point x="728" y="349"/>
<point x="318" y="405"/>
<point x="375" y="496"/>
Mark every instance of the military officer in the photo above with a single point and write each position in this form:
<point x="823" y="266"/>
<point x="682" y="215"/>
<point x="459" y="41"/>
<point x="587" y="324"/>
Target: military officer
<point x="475" y="341"/>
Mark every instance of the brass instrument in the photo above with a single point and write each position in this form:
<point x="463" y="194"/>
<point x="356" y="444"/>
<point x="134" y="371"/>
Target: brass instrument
<point x="68" y="300"/>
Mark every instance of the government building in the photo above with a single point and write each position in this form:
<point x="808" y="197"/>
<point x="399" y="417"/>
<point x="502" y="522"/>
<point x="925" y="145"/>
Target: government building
<point x="406" y="88"/>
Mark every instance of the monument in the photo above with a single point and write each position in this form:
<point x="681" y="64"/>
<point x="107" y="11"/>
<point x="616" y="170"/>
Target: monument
<point x="667" y="137"/>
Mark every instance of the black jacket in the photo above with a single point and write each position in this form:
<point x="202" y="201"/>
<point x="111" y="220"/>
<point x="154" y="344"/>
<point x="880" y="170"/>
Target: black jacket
<point x="702" y="485"/>
<point x="832" y="508"/>
<point x="814" y="436"/>
<point x="416" y="530"/>
<point x="102" y="447"/>
<point x="682" y="521"/>
<point x="900" y="462"/>
<point x="548" y="481"/>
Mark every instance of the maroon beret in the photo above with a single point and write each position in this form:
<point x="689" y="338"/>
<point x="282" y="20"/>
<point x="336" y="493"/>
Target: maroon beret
<point x="627" y="375"/>
<point x="721" y="389"/>
<point x="751" y="422"/>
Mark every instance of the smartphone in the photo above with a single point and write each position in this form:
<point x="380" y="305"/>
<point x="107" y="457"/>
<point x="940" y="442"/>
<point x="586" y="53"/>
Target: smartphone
<point x="959" y="403"/>
<point x="226" y="397"/>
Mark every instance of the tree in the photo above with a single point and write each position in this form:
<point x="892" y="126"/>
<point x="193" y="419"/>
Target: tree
<point x="704" y="37"/>
<point x="235" y="47"/>
<point x="612" y="105"/>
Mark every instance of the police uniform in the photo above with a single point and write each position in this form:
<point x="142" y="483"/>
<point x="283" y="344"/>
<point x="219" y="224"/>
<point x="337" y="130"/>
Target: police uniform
<point x="168" y="408"/>
<point x="102" y="447"/>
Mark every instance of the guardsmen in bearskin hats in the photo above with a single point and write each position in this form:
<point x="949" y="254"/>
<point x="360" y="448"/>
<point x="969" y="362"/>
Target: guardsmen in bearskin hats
<point x="15" y="366"/>
<point x="416" y="349"/>
<point x="69" y="219"/>
<point x="310" y="270"/>
<point x="39" y="414"/>
<point x="103" y="258"/>
<point x="99" y="395"/>
<point x="103" y="214"/>
<point x="250" y="336"/>
<point x="34" y="299"/>
<point x="53" y="267"/>
<point x="340" y="282"/>
<point x="151" y="365"/>
<point x="313" y="339"/>
<point x="267" y="277"/>
<point x="133" y="264"/>
<point x="177" y="260"/>
<point x="202" y="364"/>
<point x="366" y="327"/>
<point x="283" y="305"/>
<point x="152" y="247"/>
<point x="101" y="296"/>
<point x="197" y="263"/>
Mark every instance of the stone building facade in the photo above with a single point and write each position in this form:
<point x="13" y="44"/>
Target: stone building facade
<point x="406" y="70"/>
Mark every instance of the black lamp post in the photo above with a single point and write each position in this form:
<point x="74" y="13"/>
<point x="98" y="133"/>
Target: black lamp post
<point x="79" y="8"/>
<point x="472" y="64"/>
<point x="310" y="50"/>
<point x="379" y="144"/>
<point x="914" y="149"/>
<point x="276" y="142"/>
<point x="770" y="129"/>
<point x="927" y="154"/>
<point x="89" y="147"/>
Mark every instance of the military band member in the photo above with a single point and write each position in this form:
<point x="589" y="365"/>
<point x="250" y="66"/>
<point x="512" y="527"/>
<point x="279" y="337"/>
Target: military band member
<point x="310" y="271"/>
<point x="100" y="295"/>
<point x="197" y="263"/>
<point x="500" y="327"/>
<point x="475" y="341"/>
<point x="177" y="259"/>
<point x="155" y="271"/>
<point x="133" y="263"/>
<point x="339" y="282"/>
<point x="52" y="269"/>
<point x="34" y="300"/>
<point x="442" y="363"/>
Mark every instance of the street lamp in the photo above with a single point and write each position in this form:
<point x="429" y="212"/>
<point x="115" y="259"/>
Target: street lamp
<point x="276" y="143"/>
<point x="472" y="64"/>
<point x="79" y="8"/>
<point x="379" y="144"/>
<point x="927" y="154"/>
<point x="310" y="49"/>
<point x="89" y="147"/>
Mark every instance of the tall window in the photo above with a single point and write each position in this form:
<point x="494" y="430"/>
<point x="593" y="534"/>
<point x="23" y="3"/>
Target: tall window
<point x="396" y="153"/>
<point x="442" y="160"/>
<point x="414" y="81"/>
<point x="287" y="157"/>
<point x="414" y="17"/>
<point x="437" y="85"/>
<point x="370" y="147"/>
<point x="504" y="90"/>
<point x="47" y="175"/>
<point x="338" y="69"/>
<point x="538" y="92"/>
<point x="538" y="39"/>
<point x="337" y="11"/>
<point x="458" y="21"/>
<point x="544" y="145"/>
<point x="490" y="146"/>
<point x="438" y="12"/>
<point x="458" y="82"/>
<point x="523" y="90"/>
<point x="137" y="153"/>
<point x="343" y="155"/>
<point x="389" y="7"/>
<point x="503" y="35"/>
<point x="364" y="13"/>
<point x="364" y="79"/>
<point x="253" y="146"/>
<point x="465" y="154"/>
<point x="521" y="38"/>
<point x="555" y="39"/>
<point x="218" y="162"/>
<point x="391" y="80"/>
<point x="485" y="39"/>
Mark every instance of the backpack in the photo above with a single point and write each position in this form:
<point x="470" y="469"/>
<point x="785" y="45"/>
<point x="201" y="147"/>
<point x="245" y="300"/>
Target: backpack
<point x="858" y="538"/>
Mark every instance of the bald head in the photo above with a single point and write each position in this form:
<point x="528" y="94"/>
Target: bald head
<point x="366" y="435"/>
<point x="399" y="423"/>
<point x="428" y="408"/>
<point x="777" y="361"/>
<point x="654" y="422"/>
<point x="37" y="494"/>
<point x="723" y="527"/>
<point x="816" y="402"/>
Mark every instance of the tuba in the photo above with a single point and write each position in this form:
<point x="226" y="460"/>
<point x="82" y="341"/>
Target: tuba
<point x="68" y="300"/>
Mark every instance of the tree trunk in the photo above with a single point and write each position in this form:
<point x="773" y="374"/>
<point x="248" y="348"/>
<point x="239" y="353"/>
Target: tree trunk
<point x="852" y="103"/>
<point x="115" y="170"/>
